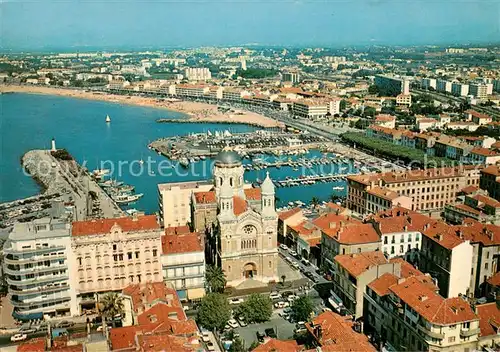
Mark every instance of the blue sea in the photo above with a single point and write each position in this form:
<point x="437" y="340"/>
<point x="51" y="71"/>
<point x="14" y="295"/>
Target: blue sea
<point x="30" y="121"/>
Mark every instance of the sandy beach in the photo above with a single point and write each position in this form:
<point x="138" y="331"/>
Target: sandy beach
<point x="195" y="111"/>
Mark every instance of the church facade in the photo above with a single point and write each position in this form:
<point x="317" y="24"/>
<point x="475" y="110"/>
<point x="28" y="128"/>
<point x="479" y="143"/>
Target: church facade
<point x="242" y="221"/>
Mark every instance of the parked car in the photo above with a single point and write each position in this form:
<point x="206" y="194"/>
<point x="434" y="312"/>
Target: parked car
<point x="260" y="336"/>
<point x="283" y="246"/>
<point x="305" y="261"/>
<point x="205" y="337"/>
<point x="233" y="323"/>
<point x="236" y="301"/>
<point x="293" y="253"/>
<point x="18" y="337"/>
<point x="210" y="346"/>
<point x="270" y="333"/>
<point x="64" y="324"/>
<point x="274" y="295"/>
<point x="27" y="330"/>
<point x="295" y="265"/>
<point x="281" y="304"/>
<point x="242" y="321"/>
<point x="292" y="298"/>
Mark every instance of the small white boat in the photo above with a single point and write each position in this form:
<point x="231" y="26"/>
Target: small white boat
<point x="98" y="173"/>
<point x="141" y="161"/>
<point x="127" y="198"/>
<point x="108" y="119"/>
<point x="338" y="188"/>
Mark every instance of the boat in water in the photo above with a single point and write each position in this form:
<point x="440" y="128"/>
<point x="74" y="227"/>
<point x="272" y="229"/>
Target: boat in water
<point x="338" y="188"/>
<point x="100" y="173"/>
<point x="126" y="188"/>
<point x="111" y="183"/>
<point x="184" y="162"/>
<point x="108" y="119"/>
<point x="127" y="198"/>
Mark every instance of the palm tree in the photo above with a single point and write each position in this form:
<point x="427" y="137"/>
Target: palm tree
<point x="283" y="278"/>
<point x="216" y="279"/>
<point x="110" y="305"/>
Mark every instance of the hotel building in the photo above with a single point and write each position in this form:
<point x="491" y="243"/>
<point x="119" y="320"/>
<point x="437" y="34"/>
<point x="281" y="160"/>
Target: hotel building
<point x="198" y="74"/>
<point x="392" y="85"/>
<point x="38" y="271"/>
<point x="429" y="189"/>
<point x="110" y="254"/>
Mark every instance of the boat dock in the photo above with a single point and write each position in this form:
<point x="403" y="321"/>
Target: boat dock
<point x="310" y="180"/>
<point x="302" y="162"/>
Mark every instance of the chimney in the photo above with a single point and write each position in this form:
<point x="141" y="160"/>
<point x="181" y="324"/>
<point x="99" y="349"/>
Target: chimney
<point x="423" y="298"/>
<point x="333" y="225"/>
<point x="440" y="237"/>
<point x="405" y="228"/>
<point x="409" y="220"/>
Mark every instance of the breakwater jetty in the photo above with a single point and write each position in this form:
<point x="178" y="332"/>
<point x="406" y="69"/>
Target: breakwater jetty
<point x="215" y="122"/>
<point x="65" y="177"/>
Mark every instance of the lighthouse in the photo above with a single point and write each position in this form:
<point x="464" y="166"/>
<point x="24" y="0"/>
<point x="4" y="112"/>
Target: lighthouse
<point x="53" y="145"/>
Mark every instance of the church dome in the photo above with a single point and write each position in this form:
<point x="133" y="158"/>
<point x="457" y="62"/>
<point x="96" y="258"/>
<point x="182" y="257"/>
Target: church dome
<point x="267" y="187"/>
<point x="228" y="157"/>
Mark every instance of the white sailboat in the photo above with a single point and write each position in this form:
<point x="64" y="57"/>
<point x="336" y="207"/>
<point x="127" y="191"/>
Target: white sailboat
<point x="108" y="119"/>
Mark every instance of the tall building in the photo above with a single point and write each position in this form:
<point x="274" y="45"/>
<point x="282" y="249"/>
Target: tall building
<point x="174" y="201"/>
<point x="459" y="89"/>
<point x="110" y="254"/>
<point x="427" y="83"/>
<point x="392" y="85"/>
<point x="443" y="86"/>
<point x="197" y="74"/>
<point x="39" y="269"/>
<point x="290" y="76"/>
<point x="480" y="90"/>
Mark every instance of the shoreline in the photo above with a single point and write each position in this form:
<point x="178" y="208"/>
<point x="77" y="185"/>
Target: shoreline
<point x="194" y="112"/>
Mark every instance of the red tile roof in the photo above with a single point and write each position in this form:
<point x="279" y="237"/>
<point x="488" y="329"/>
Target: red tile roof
<point x="204" y="197"/>
<point x="492" y="170"/>
<point x="252" y="193"/>
<point x="274" y="345"/>
<point x="239" y="205"/>
<point x="382" y="284"/>
<point x="443" y="235"/>
<point x="430" y="305"/>
<point x="357" y="263"/>
<point x="337" y="334"/>
<point x="289" y="213"/>
<point x="407" y="270"/>
<point x="176" y="244"/>
<point x="32" y="345"/>
<point x="470" y="189"/>
<point x="489" y="318"/>
<point x="168" y="315"/>
<point x="398" y="219"/>
<point x="104" y="226"/>
<point x="164" y="342"/>
<point x="495" y="279"/>
<point x="145" y="294"/>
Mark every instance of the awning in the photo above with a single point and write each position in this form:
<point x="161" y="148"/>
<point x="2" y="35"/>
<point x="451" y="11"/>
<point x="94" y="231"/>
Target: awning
<point x="196" y="293"/>
<point x="28" y="316"/>
<point x="182" y="294"/>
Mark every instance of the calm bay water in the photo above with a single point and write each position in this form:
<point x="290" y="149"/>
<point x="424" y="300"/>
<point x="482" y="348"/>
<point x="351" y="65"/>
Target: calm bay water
<point x="30" y="121"/>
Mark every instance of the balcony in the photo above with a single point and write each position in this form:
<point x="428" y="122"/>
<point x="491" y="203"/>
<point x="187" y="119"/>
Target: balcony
<point x="35" y="270"/>
<point x="36" y="280"/>
<point x="430" y="333"/>
<point x="469" y="332"/>
<point x="37" y="289"/>
<point x="34" y="250"/>
<point x="9" y="259"/>
<point x="46" y="301"/>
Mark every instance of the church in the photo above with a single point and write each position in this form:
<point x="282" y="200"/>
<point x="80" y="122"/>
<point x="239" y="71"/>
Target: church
<point x="240" y="223"/>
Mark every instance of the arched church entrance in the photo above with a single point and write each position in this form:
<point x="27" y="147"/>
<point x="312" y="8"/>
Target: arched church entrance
<point x="249" y="270"/>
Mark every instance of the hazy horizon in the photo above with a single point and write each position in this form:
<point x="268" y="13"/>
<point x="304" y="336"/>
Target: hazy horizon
<point x="52" y="25"/>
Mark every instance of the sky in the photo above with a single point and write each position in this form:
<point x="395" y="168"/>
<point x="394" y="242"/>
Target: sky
<point x="66" y="24"/>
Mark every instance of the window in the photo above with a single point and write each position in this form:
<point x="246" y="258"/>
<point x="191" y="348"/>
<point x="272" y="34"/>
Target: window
<point x="137" y="255"/>
<point x="385" y="239"/>
<point x="486" y="266"/>
<point x="114" y="247"/>
<point x="155" y="252"/>
<point x="129" y="255"/>
<point x="452" y="327"/>
<point x="466" y="325"/>
<point x="451" y="339"/>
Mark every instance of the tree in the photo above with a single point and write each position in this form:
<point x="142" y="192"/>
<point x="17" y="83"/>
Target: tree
<point x="373" y="89"/>
<point x="216" y="279"/>
<point x="343" y="104"/>
<point x="110" y="305"/>
<point x="254" y="345"/>
<point x="314" y="201"/>
<point x="369" y="111"/>
<point x="257" y="308"/>
<point x="302" y="308"/>
<point x="214" y="311"/>
<point x="237" y="346"/>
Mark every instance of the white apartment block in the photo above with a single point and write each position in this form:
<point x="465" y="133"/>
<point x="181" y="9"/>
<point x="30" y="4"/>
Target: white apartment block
<point x="480" y="90"/>
<point x="443" y="86"/>
<point x="198" y="74"/>
<point x="38" y="270"/>
<point x="110" y="254"/>
<point x="191" y="90"/>
<point x="174" y="201"/>
<point x="183" y="264"/>
<point x="427" y="83"/>
<point x="459" y="89"/>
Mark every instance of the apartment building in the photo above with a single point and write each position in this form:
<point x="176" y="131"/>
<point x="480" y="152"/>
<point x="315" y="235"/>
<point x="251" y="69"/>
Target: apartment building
<point x="392" y="85"/>
<point x="287" y="219"/>
<point x="183" y="263"/>
<point x="490" y="181"/>
<point x="476" y="205"/>
<point x="443" y="86"/>
<point x="191" y="90"/>
<point x="379" y="198"/>
<point x="429" y="189"/>
<point x="353" y="272"/>
<point x="480" y="90"/>
<point x="310" y="108"/>
<point x="197" y="74"/>
<point x="109" y="254"/>
<point x="290" y="76"/>
<point x="232" y="94"/>
<point x="332" y="332"/>
<point x="459" y="89"/>
<point x="403" y="100"/>
<point x="345" y="237"/>
<point x="38" y="268"/>
<point x="384" y="120"/>
<point x="174" y="201"/>
<point x="409" y="315"/>
<point x="448" y="257"/>
<point x="427" y="83"/>
<point x="400" y="230"/>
